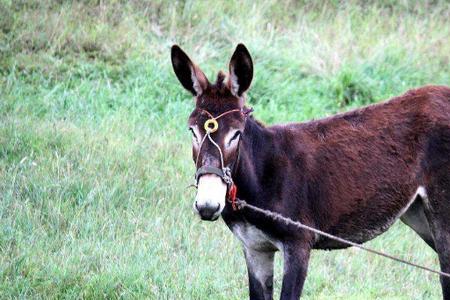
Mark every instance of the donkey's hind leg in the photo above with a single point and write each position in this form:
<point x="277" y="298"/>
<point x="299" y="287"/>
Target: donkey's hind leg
<point x="438" y="215"/>
<point x="436" y="175"/>
<point x="415" y="218"/>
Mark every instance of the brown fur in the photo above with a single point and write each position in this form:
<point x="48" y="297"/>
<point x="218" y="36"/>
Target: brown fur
<point x="352" y="174"/>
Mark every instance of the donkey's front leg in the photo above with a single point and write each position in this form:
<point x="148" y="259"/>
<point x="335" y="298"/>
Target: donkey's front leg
<point x="296" y="257"/>
<point x="260" y="273"/>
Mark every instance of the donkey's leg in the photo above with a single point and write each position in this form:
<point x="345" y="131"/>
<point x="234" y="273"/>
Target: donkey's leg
<point x="415" y="218"/>
<point x="443" y="248"/>
<point x="436" y="173"/>
<point x="296" y="258"/>
<point x="260" y="273"/>
<point x="438" y="215"/>
<point x="441" y="231"/>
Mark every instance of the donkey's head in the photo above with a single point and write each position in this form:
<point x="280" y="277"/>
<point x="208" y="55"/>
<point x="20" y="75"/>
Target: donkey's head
<point x="216" y="123"/>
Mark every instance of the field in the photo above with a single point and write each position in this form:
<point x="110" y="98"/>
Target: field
<point x="95" y="152"/>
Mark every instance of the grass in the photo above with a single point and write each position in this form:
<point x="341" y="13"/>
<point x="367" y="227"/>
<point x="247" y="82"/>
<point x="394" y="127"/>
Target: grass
<point x="95" y="155"/>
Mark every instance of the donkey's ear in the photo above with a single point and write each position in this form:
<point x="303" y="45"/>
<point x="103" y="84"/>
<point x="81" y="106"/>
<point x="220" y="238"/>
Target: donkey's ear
<point x="241" y="70"/>
<point x="190" y="76"/>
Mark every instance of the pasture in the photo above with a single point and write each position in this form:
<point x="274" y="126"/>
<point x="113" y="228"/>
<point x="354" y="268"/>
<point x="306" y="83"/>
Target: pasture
<point x="95" y="154"/>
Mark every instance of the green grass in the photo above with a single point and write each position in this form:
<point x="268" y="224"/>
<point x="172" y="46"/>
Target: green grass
<point x="95" y="155"/>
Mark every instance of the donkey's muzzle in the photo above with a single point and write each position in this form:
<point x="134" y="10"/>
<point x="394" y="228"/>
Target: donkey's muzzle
<point x="210" y="198"/>
<point x="208" y="212"/>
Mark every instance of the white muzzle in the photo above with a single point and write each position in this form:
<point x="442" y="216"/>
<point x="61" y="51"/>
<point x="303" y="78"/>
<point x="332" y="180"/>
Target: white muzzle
<point x="210" y="198"/>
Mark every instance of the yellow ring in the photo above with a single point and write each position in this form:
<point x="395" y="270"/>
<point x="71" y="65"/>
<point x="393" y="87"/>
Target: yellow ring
<point x="214" y="127"/>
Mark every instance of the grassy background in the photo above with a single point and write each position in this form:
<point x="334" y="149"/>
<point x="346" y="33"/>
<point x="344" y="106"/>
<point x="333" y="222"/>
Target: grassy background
<point x="95" y="155"/>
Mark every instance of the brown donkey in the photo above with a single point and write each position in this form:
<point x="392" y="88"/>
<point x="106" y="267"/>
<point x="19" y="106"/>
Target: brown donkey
<point x="352" y="175"/>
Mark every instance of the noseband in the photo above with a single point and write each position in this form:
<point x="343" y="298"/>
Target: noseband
<point x="224" y="172"/>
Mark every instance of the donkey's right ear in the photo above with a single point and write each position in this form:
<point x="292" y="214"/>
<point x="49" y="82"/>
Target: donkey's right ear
<point x="190" y="76"/>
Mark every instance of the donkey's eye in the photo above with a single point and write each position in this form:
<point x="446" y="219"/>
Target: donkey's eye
<point x="234" y="137"/>
<point x="194" y="136"/>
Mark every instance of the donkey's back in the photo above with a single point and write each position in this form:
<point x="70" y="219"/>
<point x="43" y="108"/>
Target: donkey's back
<point x="369" y="167"/>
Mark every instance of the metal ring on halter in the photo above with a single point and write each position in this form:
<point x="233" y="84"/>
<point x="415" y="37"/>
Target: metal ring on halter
<point x="214" y="124"/>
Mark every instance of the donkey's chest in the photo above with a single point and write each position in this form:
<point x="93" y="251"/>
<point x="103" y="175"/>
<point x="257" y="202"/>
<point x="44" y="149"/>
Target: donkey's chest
<point x="254" y="238"/>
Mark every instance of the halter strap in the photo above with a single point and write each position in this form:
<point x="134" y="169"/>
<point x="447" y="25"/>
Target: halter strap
<point x="224" y="172"/>
<point x="222" y="114"/>
<point x="208" y="170"/>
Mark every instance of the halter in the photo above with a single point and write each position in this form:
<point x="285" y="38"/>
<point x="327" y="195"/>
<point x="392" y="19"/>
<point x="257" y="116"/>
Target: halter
<point x="211" y="125"/>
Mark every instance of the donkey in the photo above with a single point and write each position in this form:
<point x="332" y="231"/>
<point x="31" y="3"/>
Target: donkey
<point x="351" y="175"/>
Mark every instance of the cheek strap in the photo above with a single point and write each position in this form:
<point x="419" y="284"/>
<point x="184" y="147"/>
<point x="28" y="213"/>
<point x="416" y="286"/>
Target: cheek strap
<point x="210" y="170"/>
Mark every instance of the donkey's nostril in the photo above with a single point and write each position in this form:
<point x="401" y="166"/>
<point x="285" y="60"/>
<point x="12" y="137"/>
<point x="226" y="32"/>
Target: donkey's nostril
<point x="208" y="212"/>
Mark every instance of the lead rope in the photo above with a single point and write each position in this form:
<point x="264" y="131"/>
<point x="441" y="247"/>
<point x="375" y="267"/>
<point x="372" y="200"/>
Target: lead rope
<point x="239" y="204"/>
<point x="277" y="217"/>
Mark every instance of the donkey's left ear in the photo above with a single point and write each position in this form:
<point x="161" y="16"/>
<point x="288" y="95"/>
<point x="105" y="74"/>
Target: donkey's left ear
<point x="190" y="76"/>
<point x="241" y="70"/>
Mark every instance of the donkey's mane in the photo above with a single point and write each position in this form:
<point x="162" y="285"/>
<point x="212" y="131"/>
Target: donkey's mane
<point x="219" y="84"/>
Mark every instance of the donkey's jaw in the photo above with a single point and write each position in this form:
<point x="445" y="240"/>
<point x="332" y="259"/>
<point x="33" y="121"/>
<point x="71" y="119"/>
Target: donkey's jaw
<point x="210" y="198"/>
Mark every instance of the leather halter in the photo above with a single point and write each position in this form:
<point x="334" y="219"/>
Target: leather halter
<point x="225" y="173"/>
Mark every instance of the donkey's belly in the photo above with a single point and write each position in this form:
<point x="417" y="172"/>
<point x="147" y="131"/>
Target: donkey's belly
<point x="362" y="229"/>
<point x="356" y="235"/>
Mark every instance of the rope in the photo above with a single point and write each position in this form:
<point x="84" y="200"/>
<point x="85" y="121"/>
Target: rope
<point x="222" y="114"/>
<point x="218" y="148"/>
<point x="277" y="217"/>
<point x="199" y="149"/>
<point x="288" y="221"/>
